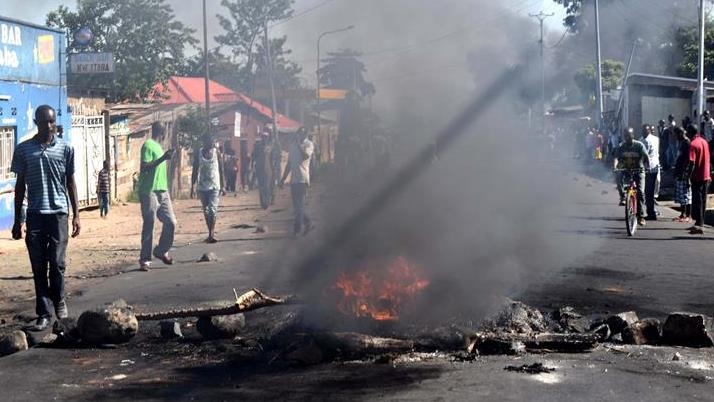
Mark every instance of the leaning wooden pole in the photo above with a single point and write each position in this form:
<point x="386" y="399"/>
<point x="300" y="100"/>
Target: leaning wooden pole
<point x="251" y="300"/>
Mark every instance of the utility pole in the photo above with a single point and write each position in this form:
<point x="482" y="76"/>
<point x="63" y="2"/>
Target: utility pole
<point x="701" y="96"/>
<point x="269" y="62"/>
<point x="206" y="73"/>
<point x="598" y="66"/>
<point x="541" y="16"/>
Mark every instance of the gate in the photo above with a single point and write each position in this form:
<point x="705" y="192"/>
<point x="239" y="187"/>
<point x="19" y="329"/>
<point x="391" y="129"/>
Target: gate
<point x="87" y="138"/>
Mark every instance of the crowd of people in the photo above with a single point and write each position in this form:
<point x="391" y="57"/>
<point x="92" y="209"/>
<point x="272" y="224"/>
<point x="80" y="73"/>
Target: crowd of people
<point x="44" y="169"/>
<point x="682" y="149"/>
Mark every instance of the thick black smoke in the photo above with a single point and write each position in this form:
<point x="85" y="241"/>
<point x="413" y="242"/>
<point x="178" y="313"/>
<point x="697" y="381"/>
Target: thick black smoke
<point x="484" y="217"/>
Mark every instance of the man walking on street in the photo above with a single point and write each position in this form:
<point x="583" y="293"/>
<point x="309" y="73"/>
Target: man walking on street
<point x="632" y="156"/>
<point x="44" y="166"/>
<point x="103" y="188"/>
<point x="262" y="166"/>
<point x="298" y="168"/>
<point x="155" y="200"/>
<point x="652" y="144"/>
<point x="700" y="176"/>
<point x="209" y="175"/>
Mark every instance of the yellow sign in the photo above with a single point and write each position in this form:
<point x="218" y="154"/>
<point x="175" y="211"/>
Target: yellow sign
<point x="45" y="49"/>
<point x="332" y="93"/>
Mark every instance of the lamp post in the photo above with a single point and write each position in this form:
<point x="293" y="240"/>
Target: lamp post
<point x="317" y="72"/>
<point x="206" y="79"/>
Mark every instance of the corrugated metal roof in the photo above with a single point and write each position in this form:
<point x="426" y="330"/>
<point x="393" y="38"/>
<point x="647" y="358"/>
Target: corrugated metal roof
<point x="669" y="81"/>
<point x="191" y="90"/>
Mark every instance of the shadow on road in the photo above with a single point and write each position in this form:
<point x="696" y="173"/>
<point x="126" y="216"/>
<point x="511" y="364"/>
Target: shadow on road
<point x="241" y="380"/>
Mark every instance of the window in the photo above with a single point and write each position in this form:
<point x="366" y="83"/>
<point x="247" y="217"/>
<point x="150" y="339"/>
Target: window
<point x="7" y="146"/>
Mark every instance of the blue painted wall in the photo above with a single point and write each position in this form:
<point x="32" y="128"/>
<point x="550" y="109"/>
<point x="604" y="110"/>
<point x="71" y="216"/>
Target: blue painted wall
<point x="32" y="73"/>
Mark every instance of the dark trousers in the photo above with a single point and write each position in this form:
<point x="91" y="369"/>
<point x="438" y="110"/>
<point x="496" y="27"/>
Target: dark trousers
<point x="265" y="190"/>
<point x="46" y="242"/>
<point x="103" y="204"/>
<point x="650" y="184"/>
<point x="298" y="191"/>
<point x="699" y="201"/>
<point x="231" y="176"/>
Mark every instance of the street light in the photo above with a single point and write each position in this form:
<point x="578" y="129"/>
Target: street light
<point x="317" y="72"/>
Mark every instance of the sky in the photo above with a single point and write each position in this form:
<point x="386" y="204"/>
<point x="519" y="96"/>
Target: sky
<point x="310" y="16"/>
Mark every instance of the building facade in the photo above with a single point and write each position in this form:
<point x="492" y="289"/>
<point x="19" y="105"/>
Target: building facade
<point x="32" y="73"/>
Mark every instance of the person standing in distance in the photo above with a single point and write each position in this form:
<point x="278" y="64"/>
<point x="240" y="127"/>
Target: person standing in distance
<point x="155" y="200"/>
<point x="298" y="168"/>
<point x="208" y="175"/>
<point x="44" y="166"/>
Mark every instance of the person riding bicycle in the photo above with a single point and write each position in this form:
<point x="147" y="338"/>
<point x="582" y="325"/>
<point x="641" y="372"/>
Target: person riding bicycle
<point x="632" y="155"/>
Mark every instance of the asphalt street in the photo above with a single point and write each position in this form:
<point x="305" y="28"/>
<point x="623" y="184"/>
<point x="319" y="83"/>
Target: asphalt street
<point x="661" y="269"/>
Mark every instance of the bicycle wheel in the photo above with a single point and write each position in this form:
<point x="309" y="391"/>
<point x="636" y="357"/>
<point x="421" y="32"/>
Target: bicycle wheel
<point x="631" y="213"/>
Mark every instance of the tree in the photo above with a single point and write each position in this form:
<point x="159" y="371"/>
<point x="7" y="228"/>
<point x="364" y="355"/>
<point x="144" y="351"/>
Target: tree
<point x="573" y="12"/>
<point x="343" y="70"/>
<point x="285" y="72"/>
<point x="687" y="39"/>
<point x="244" y="29"/>
<point x="191" y="127"/>
<point x="147" y="42"/>
<point x="585" y="79"/>
<point x="222" y="69"/>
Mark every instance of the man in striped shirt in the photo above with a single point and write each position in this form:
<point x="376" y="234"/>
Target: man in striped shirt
<point x="103" y="187"/>
<point x="44" y="166"/>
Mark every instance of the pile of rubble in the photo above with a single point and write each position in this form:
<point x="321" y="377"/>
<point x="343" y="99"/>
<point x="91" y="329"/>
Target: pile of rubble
<point x="519" y="328"/>
<point x="516" y="328"/>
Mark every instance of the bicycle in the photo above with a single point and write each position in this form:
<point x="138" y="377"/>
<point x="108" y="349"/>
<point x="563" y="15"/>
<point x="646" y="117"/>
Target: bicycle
<point x="631" y="194"/>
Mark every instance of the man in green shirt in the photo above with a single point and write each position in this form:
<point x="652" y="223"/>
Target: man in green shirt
<point x="155" y="201"/>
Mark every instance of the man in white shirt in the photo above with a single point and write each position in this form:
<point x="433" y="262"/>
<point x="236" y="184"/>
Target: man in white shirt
<point x="298" y="168"/>
<point x="652" y="145"/>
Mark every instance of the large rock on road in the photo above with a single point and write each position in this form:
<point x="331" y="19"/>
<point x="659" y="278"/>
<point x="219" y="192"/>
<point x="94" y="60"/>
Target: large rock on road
<point x="113" y="324"/>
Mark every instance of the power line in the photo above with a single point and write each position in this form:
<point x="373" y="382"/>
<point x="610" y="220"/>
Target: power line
<point x="301" y="13"/>
<point x="414" y="46"/>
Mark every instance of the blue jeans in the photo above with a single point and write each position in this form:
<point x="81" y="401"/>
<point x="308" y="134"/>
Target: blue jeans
<point x="103" y="204"/>
<point x="298" y="191"/>
<point x="46" y="242"/>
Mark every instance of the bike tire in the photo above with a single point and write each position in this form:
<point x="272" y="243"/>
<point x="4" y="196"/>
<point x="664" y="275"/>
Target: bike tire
<point x="631" y="214"/>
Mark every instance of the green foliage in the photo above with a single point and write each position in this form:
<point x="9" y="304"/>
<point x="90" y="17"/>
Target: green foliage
<point x="574" y="10"/>
<point x="687" y="39"/>
<point x="221" y="69"/>
<point x="244" y="31"/>
<point x="585" y="79"/>
<point x="191" y="127"/>
<point x="147" y="41"/>
<point x="343" y="70"/>
<point x="285" y="72"/>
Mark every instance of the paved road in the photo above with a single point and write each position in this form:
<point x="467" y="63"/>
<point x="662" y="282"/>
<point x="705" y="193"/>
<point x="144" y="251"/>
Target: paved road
<point x="599" y="270"/>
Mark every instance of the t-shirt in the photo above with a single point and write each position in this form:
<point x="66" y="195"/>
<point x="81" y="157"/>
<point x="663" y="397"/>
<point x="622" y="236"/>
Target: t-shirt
<point x="632" y="156"/>
<point x="46" y="169"/>
<point x="680" y="166"/>
<point x="299" y="161"/>
<point x="652" y="145"/>
<point x="103" y="184"/>
<point x="152" y="179"/>
<point x="699" y="156"/>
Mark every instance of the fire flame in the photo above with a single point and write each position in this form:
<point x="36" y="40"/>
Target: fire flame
<point x="377" y="292"/>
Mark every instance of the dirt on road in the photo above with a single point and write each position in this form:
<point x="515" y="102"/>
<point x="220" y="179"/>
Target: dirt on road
<point x="107" y="247"/>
